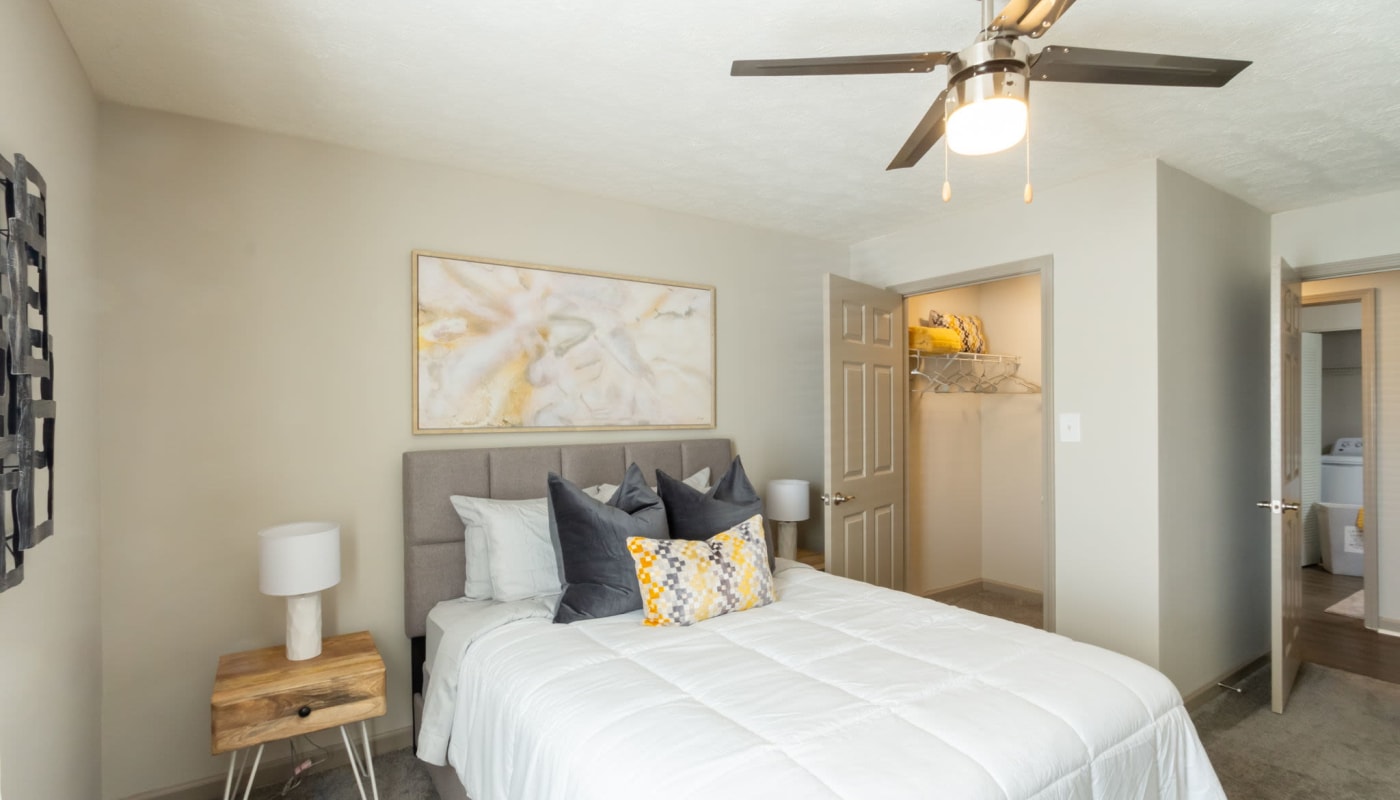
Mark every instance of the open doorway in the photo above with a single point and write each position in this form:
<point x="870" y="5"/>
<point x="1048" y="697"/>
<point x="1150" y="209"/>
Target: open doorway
<point x="1342" y="583"/>
<point x="976" y="447"/>
<point x="1334" y="456"/>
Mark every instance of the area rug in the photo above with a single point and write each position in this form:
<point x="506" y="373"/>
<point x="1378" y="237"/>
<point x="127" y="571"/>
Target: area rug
<point x="1337" y="740"/>
<point x="1353" y="605"/>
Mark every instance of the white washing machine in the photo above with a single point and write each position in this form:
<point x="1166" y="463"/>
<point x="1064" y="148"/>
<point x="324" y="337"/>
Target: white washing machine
<point x="1341" y="473"/>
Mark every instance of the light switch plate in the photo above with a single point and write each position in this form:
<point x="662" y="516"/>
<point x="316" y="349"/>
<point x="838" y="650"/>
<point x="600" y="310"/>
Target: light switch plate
<point x="1069" y="427"/>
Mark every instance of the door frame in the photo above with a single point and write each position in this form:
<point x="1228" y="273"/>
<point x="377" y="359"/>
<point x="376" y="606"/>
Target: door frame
<point x="1044" y="266"/>
<point x="1369" y="426"/>
<point x="1348" y="268"/>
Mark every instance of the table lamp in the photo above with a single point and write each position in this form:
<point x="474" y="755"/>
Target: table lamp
<point x="300" y="560"/>
<point x="787" y="505"/>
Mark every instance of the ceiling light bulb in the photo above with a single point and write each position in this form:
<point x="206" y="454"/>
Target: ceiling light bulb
<point x="987" y="126"/>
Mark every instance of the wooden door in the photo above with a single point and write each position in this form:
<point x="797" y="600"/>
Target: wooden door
<point x="1285" y="476"/>
<point x="867" y="370"/>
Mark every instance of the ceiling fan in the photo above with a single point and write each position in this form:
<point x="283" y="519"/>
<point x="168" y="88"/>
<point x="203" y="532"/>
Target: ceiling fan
<point x="983" y="109"/>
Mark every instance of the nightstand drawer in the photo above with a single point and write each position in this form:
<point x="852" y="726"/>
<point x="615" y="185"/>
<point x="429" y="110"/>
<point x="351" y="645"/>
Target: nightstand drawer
<point x="279" y="715"/>
<point x="260" y="697"/>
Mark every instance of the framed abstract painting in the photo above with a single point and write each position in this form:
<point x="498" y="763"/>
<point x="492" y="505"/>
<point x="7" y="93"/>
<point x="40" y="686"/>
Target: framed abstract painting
<point x="502" y="346"/>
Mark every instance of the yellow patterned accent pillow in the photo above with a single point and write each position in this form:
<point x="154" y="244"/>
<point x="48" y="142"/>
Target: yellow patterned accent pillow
<point x="685" y="581"/>
<point x="967" y="326"/>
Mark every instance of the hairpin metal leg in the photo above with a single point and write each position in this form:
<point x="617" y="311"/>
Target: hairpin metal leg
<point x="369" y="759"/>
<point x="355" y="765"/>
<point x="253" y="774"/>
<point x="230" y="784"/>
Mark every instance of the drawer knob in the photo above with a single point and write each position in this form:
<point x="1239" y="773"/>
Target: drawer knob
<point x="304" y="712"/>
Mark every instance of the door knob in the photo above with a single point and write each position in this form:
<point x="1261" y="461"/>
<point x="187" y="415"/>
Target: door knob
<point x="836" y="499"/>
<point x="1277" y="506"/>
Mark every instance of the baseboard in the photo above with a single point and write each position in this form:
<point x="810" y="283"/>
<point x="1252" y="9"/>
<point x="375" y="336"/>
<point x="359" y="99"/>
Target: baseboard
<point x="1213" y="689"/>
<point x="977" y="585"/>
<point x="955" y="591"/>
<point x="1389" y="627"/>
<point x="276" y="770"/>
<point x="1012" y="590"/>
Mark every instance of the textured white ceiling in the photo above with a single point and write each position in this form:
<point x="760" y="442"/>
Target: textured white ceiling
<point x="632" y="99"/>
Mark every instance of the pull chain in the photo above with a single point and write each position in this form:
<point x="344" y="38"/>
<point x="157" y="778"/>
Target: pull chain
<point x="1030" y="193"/>
<point x="947" y="186"/>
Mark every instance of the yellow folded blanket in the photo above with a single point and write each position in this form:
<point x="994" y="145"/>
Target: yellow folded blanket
<point x="934" y="340"/>
<point x="967" y="326"/>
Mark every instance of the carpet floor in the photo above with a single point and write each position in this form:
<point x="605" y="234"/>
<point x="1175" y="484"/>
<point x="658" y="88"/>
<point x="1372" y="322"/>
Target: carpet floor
<point x="400" y="776"/>
<point x="997" y="604"/>
<point x="1338" y="741"/>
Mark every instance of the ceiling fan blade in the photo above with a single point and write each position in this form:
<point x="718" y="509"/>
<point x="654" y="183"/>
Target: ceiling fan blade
<point x="1030" y="17"/>
<point x="925" y="135"/>
<point x="1087" y="65"/>
<point x="844" y="65"/>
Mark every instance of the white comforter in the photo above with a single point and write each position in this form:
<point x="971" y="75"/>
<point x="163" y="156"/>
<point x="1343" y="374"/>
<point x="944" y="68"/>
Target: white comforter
<point x="838" y="690"/>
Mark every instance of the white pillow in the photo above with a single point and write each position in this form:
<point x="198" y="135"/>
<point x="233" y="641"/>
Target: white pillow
<point x="480" y="514"/>
<point x="469" y="510"/>
<point x="478" y="566"/>
<point x="603" y="492"/>
<point x="519" y="552"/>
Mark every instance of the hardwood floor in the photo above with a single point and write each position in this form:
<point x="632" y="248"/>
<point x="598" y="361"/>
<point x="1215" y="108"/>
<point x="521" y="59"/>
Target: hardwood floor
<point x="1343" y="642"/>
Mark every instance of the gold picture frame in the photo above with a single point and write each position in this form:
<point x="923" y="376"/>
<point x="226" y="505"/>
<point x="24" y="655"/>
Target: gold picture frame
<point x="509" y="346"/>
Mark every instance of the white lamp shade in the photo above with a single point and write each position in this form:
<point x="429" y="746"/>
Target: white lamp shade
<point x="299" y="558"/>
<point x="787" y="500"/>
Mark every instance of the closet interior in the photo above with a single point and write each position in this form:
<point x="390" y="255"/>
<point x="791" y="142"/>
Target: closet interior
<point x="975" y="441"/>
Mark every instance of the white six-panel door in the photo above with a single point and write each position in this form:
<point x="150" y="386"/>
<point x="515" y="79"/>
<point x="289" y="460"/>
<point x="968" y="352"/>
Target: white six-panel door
<point x="1285" y="479"/>
<point x="866" y="375"/>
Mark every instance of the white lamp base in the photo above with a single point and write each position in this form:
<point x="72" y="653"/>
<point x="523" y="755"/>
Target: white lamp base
<point x="787" y="540"/>
<point x="303" y="626"/>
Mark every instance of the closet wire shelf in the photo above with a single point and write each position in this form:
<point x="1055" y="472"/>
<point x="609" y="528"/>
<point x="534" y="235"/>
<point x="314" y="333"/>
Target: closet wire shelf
<point x="982" y="373"/>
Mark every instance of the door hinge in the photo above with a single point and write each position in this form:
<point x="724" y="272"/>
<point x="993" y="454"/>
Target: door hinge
<point x="1277" y="506"/>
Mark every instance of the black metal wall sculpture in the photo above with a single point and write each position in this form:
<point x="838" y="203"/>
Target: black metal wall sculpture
<point x="26" y="354"/>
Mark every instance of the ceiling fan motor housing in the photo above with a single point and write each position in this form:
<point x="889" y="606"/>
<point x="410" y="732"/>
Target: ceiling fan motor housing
<point x="995" y="67"/>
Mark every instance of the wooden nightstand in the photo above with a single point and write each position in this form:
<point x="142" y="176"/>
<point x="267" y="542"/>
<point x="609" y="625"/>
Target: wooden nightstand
<point x="812" y="558"/>
<point x="259" y="697"/>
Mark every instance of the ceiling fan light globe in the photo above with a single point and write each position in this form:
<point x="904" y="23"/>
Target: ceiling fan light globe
<point x="987" y="126"/>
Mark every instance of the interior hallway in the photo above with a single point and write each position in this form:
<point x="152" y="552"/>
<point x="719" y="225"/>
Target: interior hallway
<point x="1343" y="642"/>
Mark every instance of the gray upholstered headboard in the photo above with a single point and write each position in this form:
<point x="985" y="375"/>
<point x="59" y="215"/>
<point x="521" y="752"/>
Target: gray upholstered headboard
<point x="434" y="559"/>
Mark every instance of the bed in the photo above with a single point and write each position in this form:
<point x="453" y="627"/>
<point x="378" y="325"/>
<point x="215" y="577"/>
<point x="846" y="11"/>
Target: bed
<point x="838" y="689"/>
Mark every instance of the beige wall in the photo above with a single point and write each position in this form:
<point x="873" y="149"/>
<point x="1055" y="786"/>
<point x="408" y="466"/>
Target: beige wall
<point x="1160" y="316"/>
<point x="1013" y="519"/>
<point x="1352" y="229"/>
<point x="1341" y="385"/>
<point x="1310" y="400"/>
<point x="970" y="453"/>
<point x="257" y="319"/>
<point x="1213" y="381"/>
<point x="50" y="641"/>
<point x="1101" y="232"/>
<point x="944" y="458"/>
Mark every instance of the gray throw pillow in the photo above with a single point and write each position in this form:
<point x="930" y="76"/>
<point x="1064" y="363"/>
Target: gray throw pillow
<point x="692" y="514"/>
<point x="590" y="537"/>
